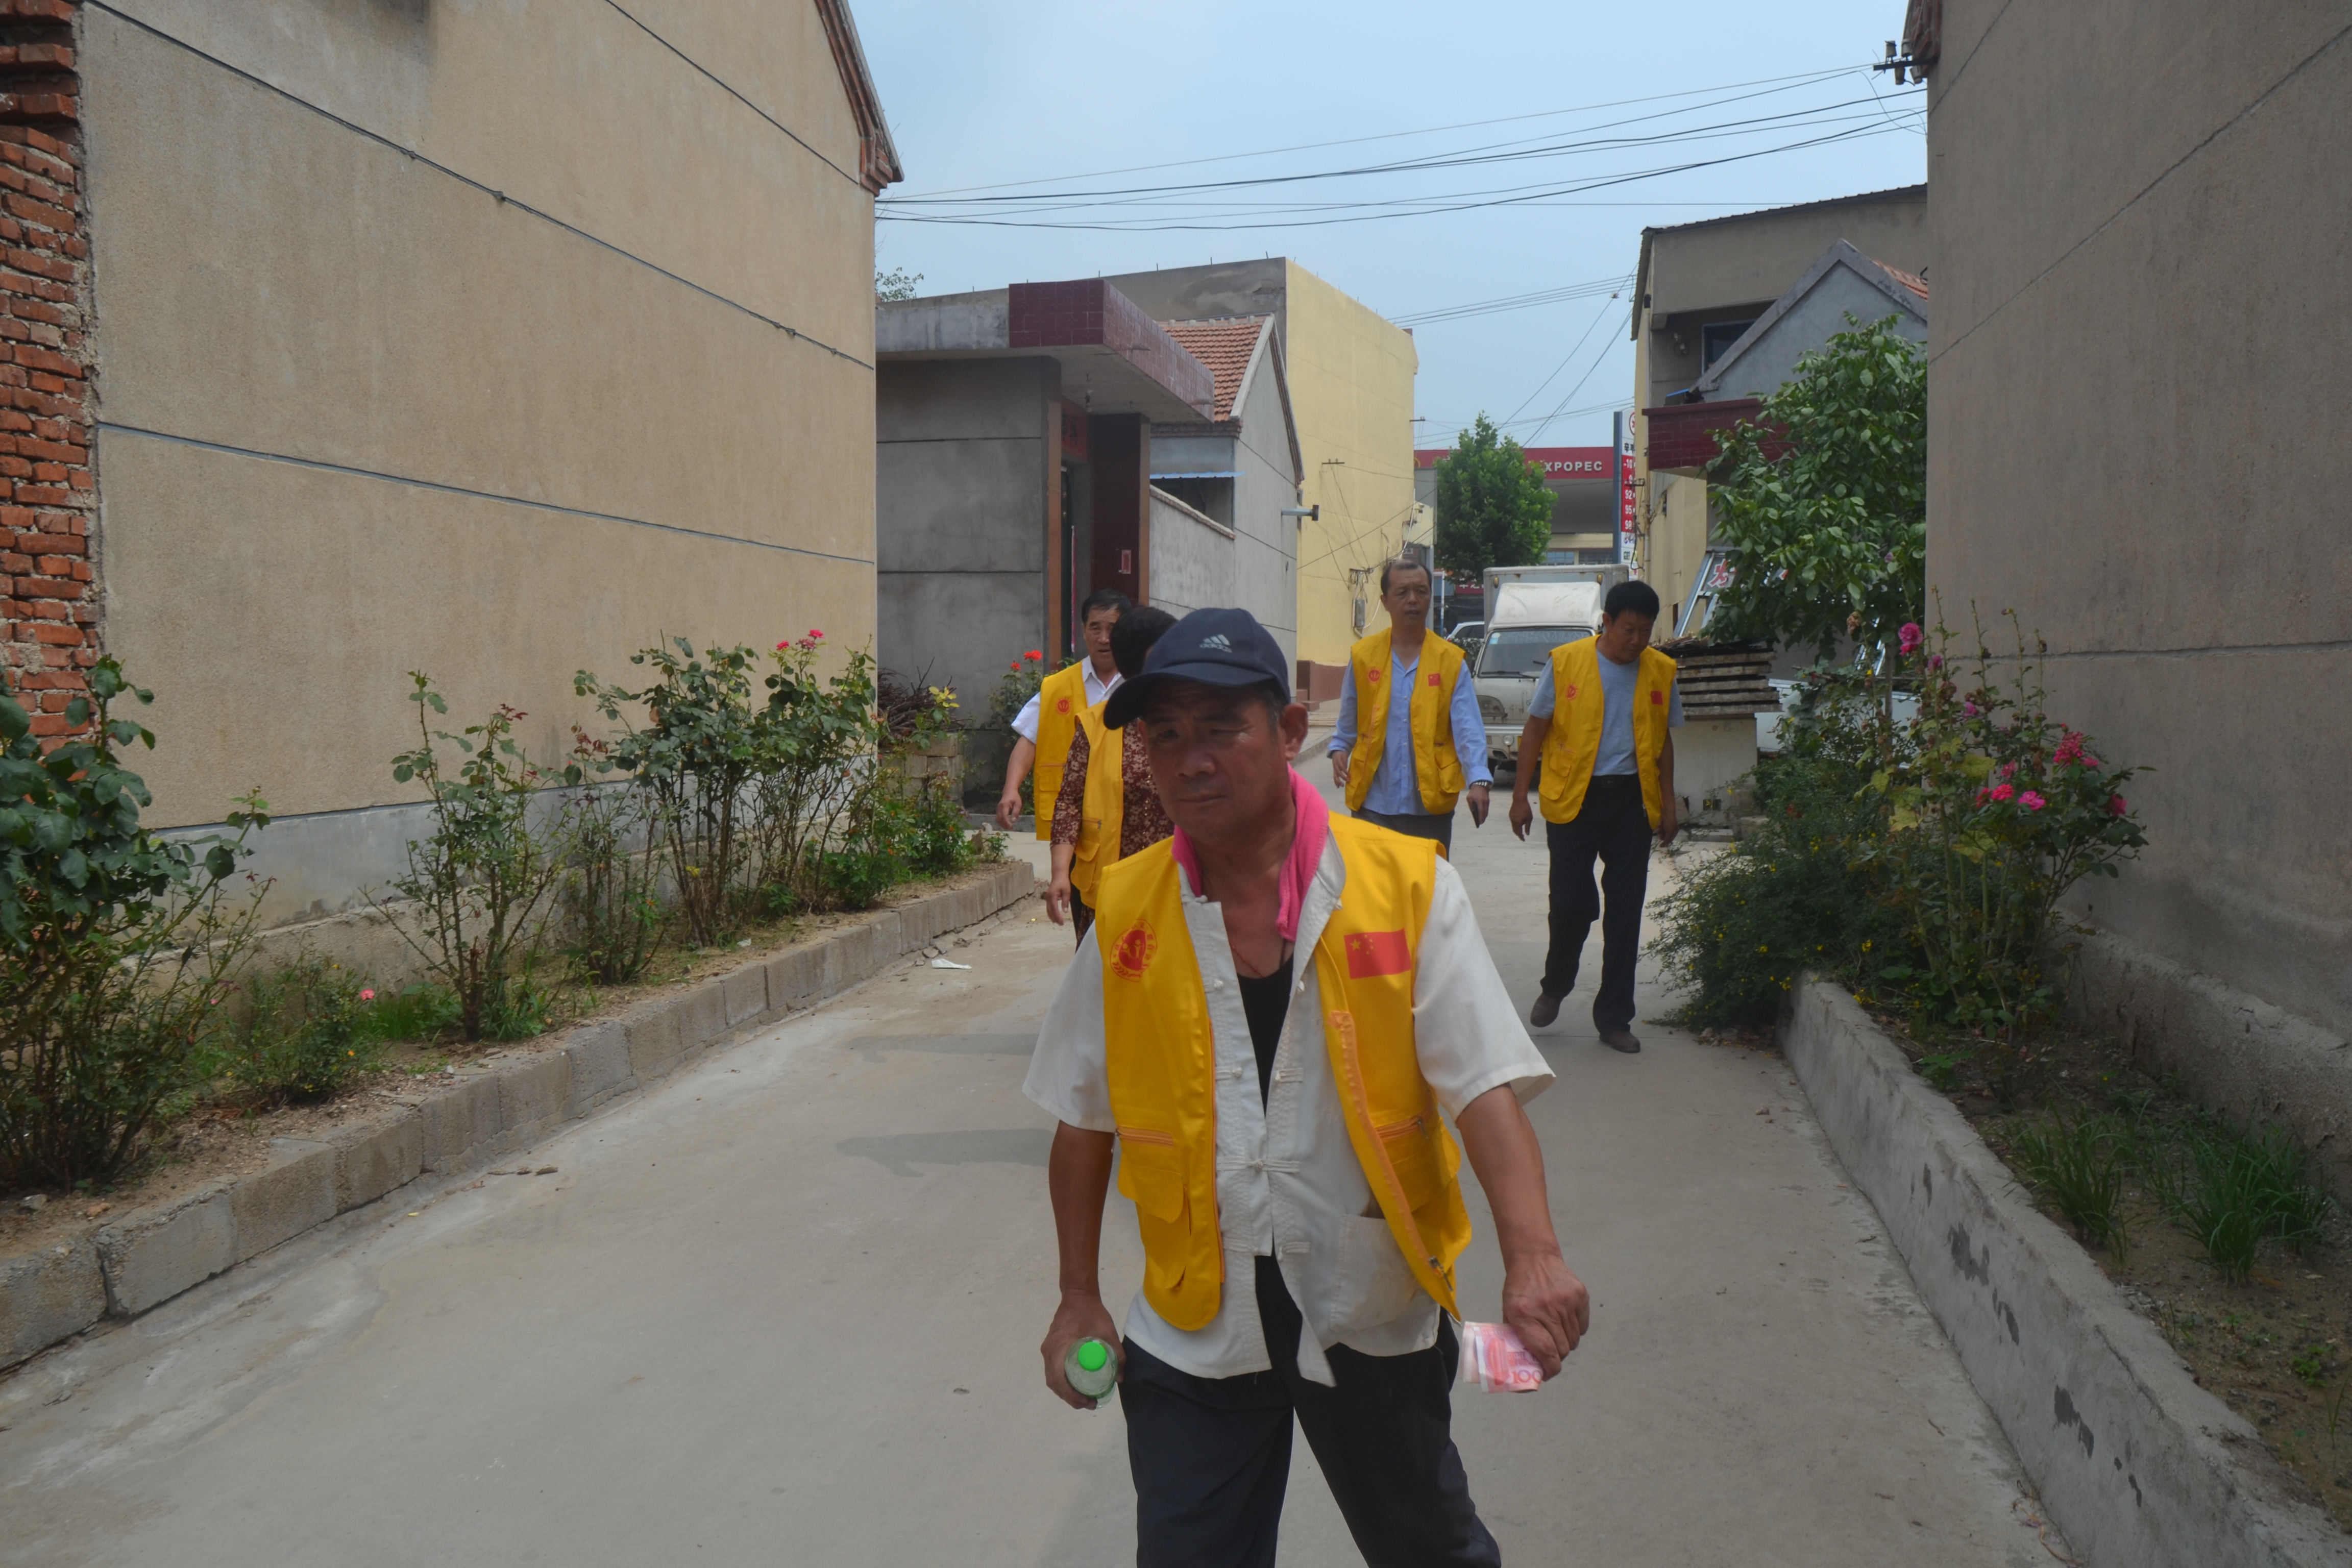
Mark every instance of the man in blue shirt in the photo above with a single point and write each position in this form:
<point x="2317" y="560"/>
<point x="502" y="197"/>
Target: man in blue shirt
<point x="1410" y="742"/>
<point x="1601" y="721"/>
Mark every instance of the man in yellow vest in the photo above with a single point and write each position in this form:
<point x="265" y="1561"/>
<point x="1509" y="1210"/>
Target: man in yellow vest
<point x="1041" y="731"/>
<point x="1299" y="1243"/>
<point x="1601" y="719"/>
<point x="1408" y="741"/>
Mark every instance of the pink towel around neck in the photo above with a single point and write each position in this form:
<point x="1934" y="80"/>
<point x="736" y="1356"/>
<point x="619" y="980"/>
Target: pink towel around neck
<point x="1297" y="867"/>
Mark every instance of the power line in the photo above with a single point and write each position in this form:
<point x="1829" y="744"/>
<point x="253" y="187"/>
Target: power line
<point x="1562" y="366"/>
<point x="1516" y="302"/>
<point x="1873" y="128"/>
<point x="1396" y="135"/>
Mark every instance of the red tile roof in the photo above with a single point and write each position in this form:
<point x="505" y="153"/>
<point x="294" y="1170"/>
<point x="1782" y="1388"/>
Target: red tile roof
<point x="1224" y="344"/>
<point x="1918" y="285"/>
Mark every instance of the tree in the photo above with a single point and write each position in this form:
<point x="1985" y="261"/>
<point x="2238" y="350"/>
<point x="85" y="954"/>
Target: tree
<point x="896" y="284"/>
<point x="1832" y="531"/>
<point x="1492" y="507"/>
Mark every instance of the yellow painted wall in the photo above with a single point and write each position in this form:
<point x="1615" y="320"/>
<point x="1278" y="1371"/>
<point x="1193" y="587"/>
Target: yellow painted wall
<point x="1352" y="392"/>
<point x="359" y="415"/>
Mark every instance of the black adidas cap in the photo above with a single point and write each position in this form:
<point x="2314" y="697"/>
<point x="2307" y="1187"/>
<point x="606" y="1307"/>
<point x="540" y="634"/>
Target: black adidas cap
<point x="1216" y="647"/>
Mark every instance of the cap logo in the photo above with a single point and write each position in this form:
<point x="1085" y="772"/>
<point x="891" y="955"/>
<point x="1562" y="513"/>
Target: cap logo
<point x="1133" y="954"/>
<point x="1219" y="641"/>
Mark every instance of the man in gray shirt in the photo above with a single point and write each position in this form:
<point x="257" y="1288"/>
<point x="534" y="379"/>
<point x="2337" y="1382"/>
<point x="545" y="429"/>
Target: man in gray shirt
<point x="1602" y="722"/>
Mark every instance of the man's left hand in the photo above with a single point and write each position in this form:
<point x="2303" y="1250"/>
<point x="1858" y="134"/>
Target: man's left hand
<point x="1546" y="1307"/>
<point x="1669" y="822"/>
<point x="1480" y="797"/>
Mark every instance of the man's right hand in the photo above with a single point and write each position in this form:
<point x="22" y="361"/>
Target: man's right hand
<point x="1008" y="809"/>
<point x="1058" y="899"/>
<point x="1340" y="769"/>
<point x="1522" y="817"/>
<point x="1078" y="1318"/>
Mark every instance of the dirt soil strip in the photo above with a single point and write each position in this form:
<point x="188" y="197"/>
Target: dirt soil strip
<point x="2136" y="1463"/>
<point x="121" y="1264"/>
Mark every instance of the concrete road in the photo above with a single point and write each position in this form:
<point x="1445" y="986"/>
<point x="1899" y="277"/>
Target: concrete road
<point x="785" y="1309"/>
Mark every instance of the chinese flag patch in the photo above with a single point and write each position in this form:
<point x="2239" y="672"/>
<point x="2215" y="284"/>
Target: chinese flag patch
<point x="1371" y="953"/>
<point x="1657" y="699"/>
<point x="1433" y="680"/>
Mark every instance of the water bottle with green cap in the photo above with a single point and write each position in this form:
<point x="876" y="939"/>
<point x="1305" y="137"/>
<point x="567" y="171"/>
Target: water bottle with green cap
<point x="1092" y="1368"/>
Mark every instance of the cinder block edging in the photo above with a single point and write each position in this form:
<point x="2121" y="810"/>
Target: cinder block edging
<point x="2138" y="1465"/>
<point x="500" y="1104"/>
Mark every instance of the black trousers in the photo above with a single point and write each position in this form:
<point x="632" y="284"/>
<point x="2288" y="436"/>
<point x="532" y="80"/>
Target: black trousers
<point x="1211" y="1455"/>
<point x="1081" y="917"/>
<point x="1416" y="825"/>
<point x="1613" y="825"/>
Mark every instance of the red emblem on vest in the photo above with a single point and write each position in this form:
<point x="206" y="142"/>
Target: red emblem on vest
<point x="1371" y="953"/>
<point x="1372" y="675"/>
<point x="1433" y="680"/>
<point x="1572" y="694"/>
<point x="1657" y="699"/>
<point x="1133" y="953"/>
<point x="1062" y="705"/>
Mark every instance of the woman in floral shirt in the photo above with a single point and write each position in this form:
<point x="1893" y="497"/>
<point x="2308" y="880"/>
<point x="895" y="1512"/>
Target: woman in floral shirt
<point x="1143" y="821"/>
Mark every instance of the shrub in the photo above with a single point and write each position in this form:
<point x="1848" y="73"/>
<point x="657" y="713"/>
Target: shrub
<point x="475" y="883"/>
<point x="2242" y="1189"/>
<point x="116" y="946"/>
<point x="305" y="1033"/>
<point x="1014" y="688"/>
<point x="611" y="892"/>
<point x="1799" y="893"/>
<point x="1993" y="810"/>
<point x="696" y="758"/>
<point x="821" y="748"/>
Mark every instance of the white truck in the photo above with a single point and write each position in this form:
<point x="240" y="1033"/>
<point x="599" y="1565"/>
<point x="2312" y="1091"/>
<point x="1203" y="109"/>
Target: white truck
<point x="1530" y="610"/>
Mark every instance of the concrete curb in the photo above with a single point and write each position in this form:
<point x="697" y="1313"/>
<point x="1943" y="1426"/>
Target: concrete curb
<point x="500" y="1104"/>
<point x="2137" y="1464"/>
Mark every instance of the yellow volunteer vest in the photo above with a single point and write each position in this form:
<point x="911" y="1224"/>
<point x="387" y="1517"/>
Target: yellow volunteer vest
<point x="1103" y="816"/>
<point x="1436" y="771"/>
<point x="1060" y="700"/>
<point x="1162" y="1066"/>
<point x="1574" y="743"/>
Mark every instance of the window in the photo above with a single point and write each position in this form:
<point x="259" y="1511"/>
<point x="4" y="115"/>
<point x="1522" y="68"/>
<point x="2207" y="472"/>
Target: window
<point x="1715" y="337"/>
<point x="1521" y="650"/>
<point x="1211" y="495"/>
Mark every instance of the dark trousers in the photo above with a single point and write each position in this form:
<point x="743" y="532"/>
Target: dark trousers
<point x="1211" y="1455"/>
<point x="1614" y="826"/>
<point x="1416" y="825"/>
<point x="1081" y="917"/>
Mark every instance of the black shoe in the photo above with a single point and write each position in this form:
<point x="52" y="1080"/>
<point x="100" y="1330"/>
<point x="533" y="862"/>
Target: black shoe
<point x="1546" y="1009"/>
<point x="1620" y="1039"/>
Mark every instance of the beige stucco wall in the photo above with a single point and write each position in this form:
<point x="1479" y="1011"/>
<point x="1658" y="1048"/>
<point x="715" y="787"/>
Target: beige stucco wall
<point x="1351" y="390"/>
<point x="2135" y="439"/>
<point x="359" y="415"/>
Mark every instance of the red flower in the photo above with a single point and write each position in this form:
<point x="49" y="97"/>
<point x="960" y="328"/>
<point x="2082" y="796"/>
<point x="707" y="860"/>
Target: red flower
<point x="1035" y="654"/>
<point x="2000" y="791"/>
<point x="1909" y="638"/>
<point x="2117" y="804"/>
<point x="2030" y="801"/>
<point x="816" y="636"/>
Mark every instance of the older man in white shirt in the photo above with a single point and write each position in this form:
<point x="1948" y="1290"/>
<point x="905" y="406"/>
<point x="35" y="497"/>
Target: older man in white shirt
<point x="1300" y="1241"/>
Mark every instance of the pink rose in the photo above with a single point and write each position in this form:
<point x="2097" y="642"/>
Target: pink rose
<point x="367" y="995"/>
<point x="816" y="636"/>
<point x="1910" y="638"/>
<point x="2000" y="791"/>
<point x="2117" y="804"/>
<point x="2030" y="801"/>
<point x="1970" y="709"/>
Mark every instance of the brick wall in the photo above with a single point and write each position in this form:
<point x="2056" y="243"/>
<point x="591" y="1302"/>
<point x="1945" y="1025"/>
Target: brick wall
<point x="50" y="624"/>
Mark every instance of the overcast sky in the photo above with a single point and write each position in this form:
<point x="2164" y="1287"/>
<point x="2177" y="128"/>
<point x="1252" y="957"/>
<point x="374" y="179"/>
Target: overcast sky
<point x="985" y="95"/>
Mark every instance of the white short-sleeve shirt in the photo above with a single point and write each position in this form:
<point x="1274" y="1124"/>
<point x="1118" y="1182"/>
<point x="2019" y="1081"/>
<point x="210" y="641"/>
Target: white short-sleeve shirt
<point x="1288" y="1183"/>
<point x="1025" y="724"/>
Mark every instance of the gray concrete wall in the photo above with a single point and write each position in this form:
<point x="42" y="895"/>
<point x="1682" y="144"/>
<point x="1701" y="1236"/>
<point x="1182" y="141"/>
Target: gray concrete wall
<point x="1717" y="270"/>
<point x="511" y="407"/>
<point x="1771" y="361"/>
<point x="2135" y="441"/>
<point x="965" y="462"/>
<point x="1193" y="559"/>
